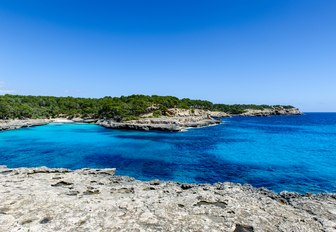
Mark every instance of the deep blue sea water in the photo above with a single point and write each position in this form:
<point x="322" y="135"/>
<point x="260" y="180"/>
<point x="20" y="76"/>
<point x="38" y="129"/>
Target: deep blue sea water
<point x="293" y="153"/>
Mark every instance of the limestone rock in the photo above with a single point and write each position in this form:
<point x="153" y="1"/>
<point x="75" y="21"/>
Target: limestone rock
<point x="42" y="199"/>
<point x="280" y="110"/>
<point x="16" y="124"/>
<point x="162" y="123"/>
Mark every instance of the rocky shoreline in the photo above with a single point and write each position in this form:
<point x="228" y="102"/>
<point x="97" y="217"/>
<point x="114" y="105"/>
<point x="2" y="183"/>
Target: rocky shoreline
<point x="44" y="199"/>
<point x="18" y="123"/>
<point x="162" y="124"/>
<point x="177" y="120"/>
<point x="22" y="123"/>
<point x="181" y="119"/>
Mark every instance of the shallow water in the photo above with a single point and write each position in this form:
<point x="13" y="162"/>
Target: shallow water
<point x="293" y="153"/>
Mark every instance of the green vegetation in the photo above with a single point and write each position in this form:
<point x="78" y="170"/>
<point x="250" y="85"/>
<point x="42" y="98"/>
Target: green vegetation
<point x="118" y="108"/>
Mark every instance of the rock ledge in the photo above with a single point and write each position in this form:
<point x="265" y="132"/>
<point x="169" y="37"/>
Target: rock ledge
<point x="44" y="199"/>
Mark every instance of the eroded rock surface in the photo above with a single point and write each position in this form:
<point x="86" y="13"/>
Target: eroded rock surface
<point x="42" y="199"/>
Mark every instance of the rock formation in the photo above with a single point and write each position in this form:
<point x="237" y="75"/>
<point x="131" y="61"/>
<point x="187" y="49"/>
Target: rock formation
<point x="163" y="123"/>
<point x="272" y="111"/>
<point x="43" y="199"/>
<point x="16" y="124"/>
<point x="181" y="119"/>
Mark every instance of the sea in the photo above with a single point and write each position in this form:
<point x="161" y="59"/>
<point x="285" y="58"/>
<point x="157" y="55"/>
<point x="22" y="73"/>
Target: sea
<point x="282" y="153"/>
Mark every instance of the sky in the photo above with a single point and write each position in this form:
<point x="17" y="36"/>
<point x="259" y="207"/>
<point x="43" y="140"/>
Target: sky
<point x="225" y="51"/>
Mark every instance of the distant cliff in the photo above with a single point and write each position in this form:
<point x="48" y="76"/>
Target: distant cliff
<point x="277" y="110"/>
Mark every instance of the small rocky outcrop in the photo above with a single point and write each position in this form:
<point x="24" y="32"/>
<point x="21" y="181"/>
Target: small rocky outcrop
<point x="43" y="199"/>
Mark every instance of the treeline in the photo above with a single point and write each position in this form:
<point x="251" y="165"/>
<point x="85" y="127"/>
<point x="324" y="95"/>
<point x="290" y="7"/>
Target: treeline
<point x="118" y="108"/>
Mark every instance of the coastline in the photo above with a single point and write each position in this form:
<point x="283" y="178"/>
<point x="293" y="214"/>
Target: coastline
<point x="14" y="124"/>
<point x="178" y="120"/>
<point x="173" y="124"/>
<point x="46" y="199"/>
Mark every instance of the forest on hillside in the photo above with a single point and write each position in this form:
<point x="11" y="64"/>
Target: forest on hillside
<point x="118" y="108"/>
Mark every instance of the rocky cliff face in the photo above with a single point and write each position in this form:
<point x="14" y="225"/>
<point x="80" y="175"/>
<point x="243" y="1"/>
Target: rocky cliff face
<point x="181" y="119"/>
<point x="176" y="120"/>
<point x="43" y="199"/>
<point x="272" y="111"/>
<point x="175" y="112"/>
<point x="163" y="123"/>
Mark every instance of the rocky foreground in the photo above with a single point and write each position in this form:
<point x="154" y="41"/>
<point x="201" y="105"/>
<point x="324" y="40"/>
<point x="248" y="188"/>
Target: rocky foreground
<point x="43" y="199"/>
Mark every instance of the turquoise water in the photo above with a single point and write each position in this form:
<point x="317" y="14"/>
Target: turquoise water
<point x="293" y="153"/>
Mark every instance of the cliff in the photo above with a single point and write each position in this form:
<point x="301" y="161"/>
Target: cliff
<point x="162" y="123"/>
<point x="272" y="111"/>
<point x="43" y="199"/>
<point x="176" y="120"/>
<point x="181" y="119"/>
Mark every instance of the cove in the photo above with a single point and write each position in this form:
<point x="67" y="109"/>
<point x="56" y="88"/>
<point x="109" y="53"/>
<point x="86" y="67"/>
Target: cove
<point x="292" y="153"/>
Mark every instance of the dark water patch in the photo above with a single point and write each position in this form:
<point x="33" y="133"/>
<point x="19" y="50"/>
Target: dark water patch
<point x="185" y="142"/>
<point x="275" y="177"/>
<point x="205" y="143"/>
<point x="273" y="128"/>
<point x="153" y="138"/>
<point x="143" y="169"/>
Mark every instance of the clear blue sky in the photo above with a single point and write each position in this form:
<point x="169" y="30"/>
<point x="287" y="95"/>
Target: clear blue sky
<point x="237" y="51"/>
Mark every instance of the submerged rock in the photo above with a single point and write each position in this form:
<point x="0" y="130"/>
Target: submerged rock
<point x="42" y="199"/>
